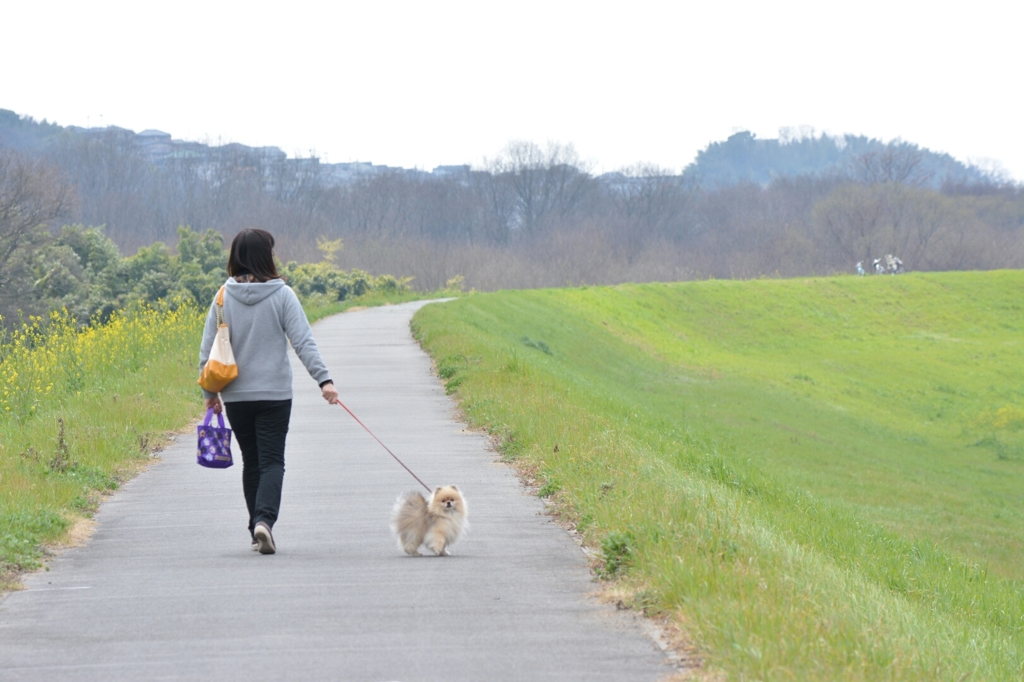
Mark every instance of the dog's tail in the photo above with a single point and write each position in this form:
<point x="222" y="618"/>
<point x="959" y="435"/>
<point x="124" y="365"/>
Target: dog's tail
<point x="409" y="521"/>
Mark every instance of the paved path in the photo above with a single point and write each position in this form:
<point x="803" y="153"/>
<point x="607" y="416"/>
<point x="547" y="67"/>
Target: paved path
<point x="169" y="589"/>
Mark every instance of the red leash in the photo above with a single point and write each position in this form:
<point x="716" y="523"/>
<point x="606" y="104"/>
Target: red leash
<point x="385" y="447"/>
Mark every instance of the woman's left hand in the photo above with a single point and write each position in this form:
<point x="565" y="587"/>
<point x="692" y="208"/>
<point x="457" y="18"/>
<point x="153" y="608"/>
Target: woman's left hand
<point x="215" y="404"/>
<point x="330" y="393"/>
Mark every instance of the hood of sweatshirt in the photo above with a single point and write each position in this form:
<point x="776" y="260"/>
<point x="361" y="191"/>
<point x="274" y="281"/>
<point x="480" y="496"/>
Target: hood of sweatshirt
<point x="251" y="293"/>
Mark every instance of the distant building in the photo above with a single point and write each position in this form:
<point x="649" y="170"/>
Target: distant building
<point x="160" y="148"/>
<point x="272" y="153"/>
<point x="155" y="145"/>
<point x="345" y="173"/>
<point x="451" y="170"/>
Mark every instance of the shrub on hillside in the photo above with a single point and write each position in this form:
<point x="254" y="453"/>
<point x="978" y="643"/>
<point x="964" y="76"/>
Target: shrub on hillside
<point x="80" y="270"/>
<point x="326" y="280"/>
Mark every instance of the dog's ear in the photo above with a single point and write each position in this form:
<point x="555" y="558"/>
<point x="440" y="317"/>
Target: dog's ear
<point x="437" y="490"/>
<point x="455" y="487"/>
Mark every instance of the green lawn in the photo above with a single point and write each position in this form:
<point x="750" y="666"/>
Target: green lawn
<point x="818" y="478"/>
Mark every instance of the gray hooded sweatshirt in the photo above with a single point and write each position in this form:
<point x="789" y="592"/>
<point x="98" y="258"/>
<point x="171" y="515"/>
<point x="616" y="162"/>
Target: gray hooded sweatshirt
<point x="262" y="317"/>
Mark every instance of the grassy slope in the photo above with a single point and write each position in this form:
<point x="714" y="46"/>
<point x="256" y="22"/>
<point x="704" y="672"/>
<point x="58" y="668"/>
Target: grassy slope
<point x="818" y="477"/>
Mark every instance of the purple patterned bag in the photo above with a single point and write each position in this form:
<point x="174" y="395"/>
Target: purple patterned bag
<point x="214" y="443"/>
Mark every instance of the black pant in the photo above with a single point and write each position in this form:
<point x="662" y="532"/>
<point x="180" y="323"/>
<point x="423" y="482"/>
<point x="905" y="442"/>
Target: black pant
<point x="260" y="427"/>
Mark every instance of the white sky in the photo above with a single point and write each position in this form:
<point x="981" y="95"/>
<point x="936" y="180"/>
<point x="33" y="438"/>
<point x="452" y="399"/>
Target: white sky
<point x="418" y="84"/>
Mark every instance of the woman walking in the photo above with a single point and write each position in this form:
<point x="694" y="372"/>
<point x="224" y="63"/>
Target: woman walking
<point x="263" y="315"/>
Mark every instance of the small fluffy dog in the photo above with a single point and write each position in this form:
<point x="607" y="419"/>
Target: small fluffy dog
<point x="436" y="524"/>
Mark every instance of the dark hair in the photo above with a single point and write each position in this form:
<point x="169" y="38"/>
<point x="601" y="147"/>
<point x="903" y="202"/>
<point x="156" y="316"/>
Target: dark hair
<point x="252" y="253"/>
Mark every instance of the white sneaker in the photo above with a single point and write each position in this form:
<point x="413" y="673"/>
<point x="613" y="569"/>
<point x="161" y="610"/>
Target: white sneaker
<point x="264" y="540"/>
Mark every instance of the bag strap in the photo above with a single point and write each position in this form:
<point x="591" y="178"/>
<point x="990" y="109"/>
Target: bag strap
<point x="220" y="309"/>
<point x="209" y="418"/>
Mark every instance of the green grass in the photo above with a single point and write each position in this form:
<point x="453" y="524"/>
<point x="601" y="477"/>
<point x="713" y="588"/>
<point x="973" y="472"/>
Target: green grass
<point x="816" y="478"/>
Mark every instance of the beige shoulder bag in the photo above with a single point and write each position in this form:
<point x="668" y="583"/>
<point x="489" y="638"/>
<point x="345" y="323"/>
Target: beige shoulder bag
<point x="220" y="369"/>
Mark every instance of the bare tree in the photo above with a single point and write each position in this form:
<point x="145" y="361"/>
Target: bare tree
<point x="546" y="183"/>
<point x="498" y="197"/>
<point x="852" y="220"/>
<point x="32" y="194"/>
<point x="898" y="163"/>
<point x="380" y="204"/>
<point x="650" y="200"/>
<point x="115" y="184"/>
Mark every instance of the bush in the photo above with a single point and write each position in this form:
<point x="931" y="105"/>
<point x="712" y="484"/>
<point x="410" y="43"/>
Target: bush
<point x="81" y="271"/>
<point x="324" y="278"/>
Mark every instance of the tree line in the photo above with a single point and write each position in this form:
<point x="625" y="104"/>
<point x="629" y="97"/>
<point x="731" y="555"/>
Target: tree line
<point x="81" y="270"/>
<point x="533" y="215"/>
